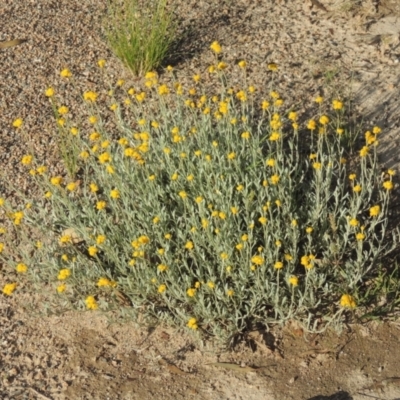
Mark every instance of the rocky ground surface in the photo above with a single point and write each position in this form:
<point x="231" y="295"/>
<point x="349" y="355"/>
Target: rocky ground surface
<point x="347" y="48"/>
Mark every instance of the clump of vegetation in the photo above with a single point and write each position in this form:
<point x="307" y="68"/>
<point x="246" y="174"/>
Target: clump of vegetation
<point x="215" y="211"/>
<point x="140" y="32"/>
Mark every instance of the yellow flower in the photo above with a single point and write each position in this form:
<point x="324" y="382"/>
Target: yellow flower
<point x="192" y="323"/>
<point x="278" y="265"/>
<point x="215" y="47"/>
<point x="258" y="260"/>
<point x="191" y="292"/>
<point x="182" y="194"/>
<point x="324" y="120"/>
<point x="374" y="211"/>
<point x="360" y="236"/>
<point x="18" y="123"/>
<point x="311" y="124"/>
<point x="65" y="73"/>
<point x="156" y="220"/>
<point x="376" y="130"/>
<point x="230" y="292"/>
<point x="317" y="165"/>
<point x="309" y="229"/>
<point x="92" y="250"/>
<point x="245" y="237"/>
<point x="391" y="172"/>
<point x="101" y="63"/>
<point x="239" y="246"/>
<point x="63" y="110"/>
<point x="364" y="151"/>
<point x="93" y="119"/>
<point x="294" y="280"/>
<point x="115" y="194"/>
<point x="93" y="187"/>
<point x="71" y="186"/>
<point x="100" y="239"/>
<point x="265" y="104"/>
<point x="48" y="195"/>
<point x="49" y="92"/>
<point x="26" y="160"/>
<point x="272" y="67"/>
<point x="168" y="236"/>
<point x="104" y="282"/>
<point x="352" y="177"/>
<point x="224" y="256"/>
<point x="104" y="158"/>
<point x="113" y="107"/>
<point x="353" y="222"/>
<point x="278" y="102"/>
<point x="189" y="245"/>
<point x="262" y="220"/>
<point x="9" y="288"/>
<point x="274" y="136"/>
<point x="347" y="301"/>
<point x="388" y="185"/>
<point x="162" y="267"/>
<point x="101" y="205"/>
<point x="245" y="135"/>
<point x="61" y="288"/>
<point x="339" y="131"/>
<point x="337" y="104"/>
<point x="275" y="179"/>
<point x="242" y="64"/>
<point x="21" y="268"/>
<point x="319" y="99"/>
<point x="56" y="180"/>
<point x="84" y="154"/>
<point x="234" y="210"/>
<point x="63" y="274"/>
<point x="357" y="188"/>
<point x="231" y="155"/>
<point x="162" y="288"/>
<point x="163" y="90"/>
<point x="239" y="188"/>
<point x="110" y="169"/>
<point x="91" y="303"/>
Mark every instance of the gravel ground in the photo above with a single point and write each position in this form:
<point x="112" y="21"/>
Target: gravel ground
<point x="322" y="47"/>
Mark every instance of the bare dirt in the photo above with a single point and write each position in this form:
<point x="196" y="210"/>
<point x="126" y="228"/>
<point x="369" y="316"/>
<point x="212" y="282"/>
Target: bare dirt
<point x="348" y="48"/>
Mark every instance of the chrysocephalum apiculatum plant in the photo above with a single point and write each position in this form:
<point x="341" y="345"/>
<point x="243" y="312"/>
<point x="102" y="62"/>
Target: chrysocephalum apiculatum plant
<point x="216" y="211"/>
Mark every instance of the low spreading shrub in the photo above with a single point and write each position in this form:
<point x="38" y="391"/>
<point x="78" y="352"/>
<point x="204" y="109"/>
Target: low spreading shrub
<point x="216" y="211"/>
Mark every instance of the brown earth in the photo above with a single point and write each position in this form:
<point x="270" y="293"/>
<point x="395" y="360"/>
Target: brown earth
<point x="347" y="48"/>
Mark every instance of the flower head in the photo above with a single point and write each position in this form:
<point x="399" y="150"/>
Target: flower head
<point x="216" y="47"/>
<point x="347" y="301"/>
<point x="9" y="288"/>
<point x="91" y="303"/>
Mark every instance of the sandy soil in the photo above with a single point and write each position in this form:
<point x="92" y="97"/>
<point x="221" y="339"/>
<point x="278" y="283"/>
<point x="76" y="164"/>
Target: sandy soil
<point x="341" y="47"/>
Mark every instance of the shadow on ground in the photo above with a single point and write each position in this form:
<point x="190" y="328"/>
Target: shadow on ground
<point x="337" y="396"/>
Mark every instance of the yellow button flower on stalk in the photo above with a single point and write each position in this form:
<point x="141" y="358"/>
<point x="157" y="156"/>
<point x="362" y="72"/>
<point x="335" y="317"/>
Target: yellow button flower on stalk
<point x="192" y="323"/>
<point x="21" y="268"/>
<point x="337" y="104"/>
<point x="9" y="288"/>
<point x="49" y="92"/>
<point x="216" y="47"/>
<point x="374" y="211"/>
<point x="388" y="185"/>
<point x="294" y="280"/>
<point x="347" y="301"/>
<point x="18" y="123"/>
<point x="91" y="303"/>
<point x="63" y="274"/>
<point x="65" y="73"/>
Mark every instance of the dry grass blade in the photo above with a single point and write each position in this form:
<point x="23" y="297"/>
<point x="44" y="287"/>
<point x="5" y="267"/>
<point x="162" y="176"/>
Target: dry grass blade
<point x="11" y="43"/>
